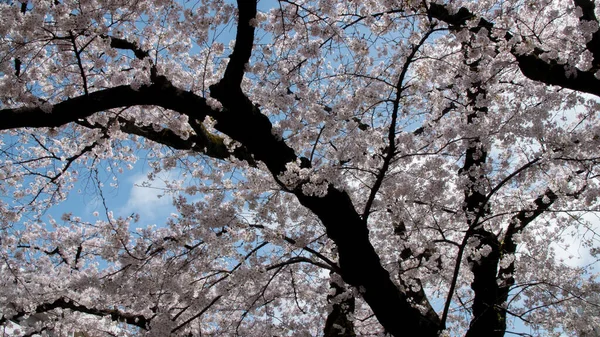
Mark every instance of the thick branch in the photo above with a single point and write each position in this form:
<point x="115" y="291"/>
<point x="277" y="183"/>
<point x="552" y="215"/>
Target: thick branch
<point x="486" y="320"/>
<point x="299" y="259"/>
<point x="139" y="53"/>
<point x="244" y="41"/>
<point x="491" y="286"/>
<point x="554" y="74"/>
<point x="455" y="20"/>
<point x="533" y="67"/>
<point x="78" y="108"/>
<point x="241" y="119"/>
<point x="361" y="266"/>
<point x="55" y="251"/>
<point x="162" y="94"/>
<point x="62" y="303"/>
<point x="202" y="142"/>
<point x="119" y="43"/>
<point x="587" y="8"/>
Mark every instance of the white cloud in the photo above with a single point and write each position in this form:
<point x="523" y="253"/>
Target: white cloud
<point x="150" y="199"/>
<point x="573" y="250"/>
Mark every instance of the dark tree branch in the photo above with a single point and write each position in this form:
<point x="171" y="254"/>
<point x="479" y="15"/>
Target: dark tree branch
<point x="531" y="65"/>
<point x="361" y="267"/>
<point x="588" y="7"/>
<point x="299" y="259"/>
<point x="338" y="323"/>
<point x="508" y="246"/>
<point x="141" y="54"/>
<point x="78" y="108"/>
<point x="509" y="177"/>
<point x="553" y="73"/>
<point x="64" y="303"/>
<point x="455" y="21"/>
<point x="418" y="296"/>
<point x="200" y="313"/>
<point x="491" y="282"/>
<point x="244" y="41"/>
<point x="119" y="43"/>
<point x="474" y="207"/>
<point x="332" y="265"/>
<point x="202" y="142"/>
<point x="18" y="62"/>
<point x="162" y="94"/>
<point x="486" y="320"/>
<point x="73" y="40"/>
<point x="241" y="119"/>
<point x="391" y="147"/>
<point x="55" y="251"/>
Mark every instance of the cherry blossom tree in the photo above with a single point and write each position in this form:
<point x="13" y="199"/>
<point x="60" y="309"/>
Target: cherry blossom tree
<point x="344" y="168"/>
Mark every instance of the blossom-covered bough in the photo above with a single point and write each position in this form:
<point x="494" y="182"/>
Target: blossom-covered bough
<point x="345" y="167"/>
